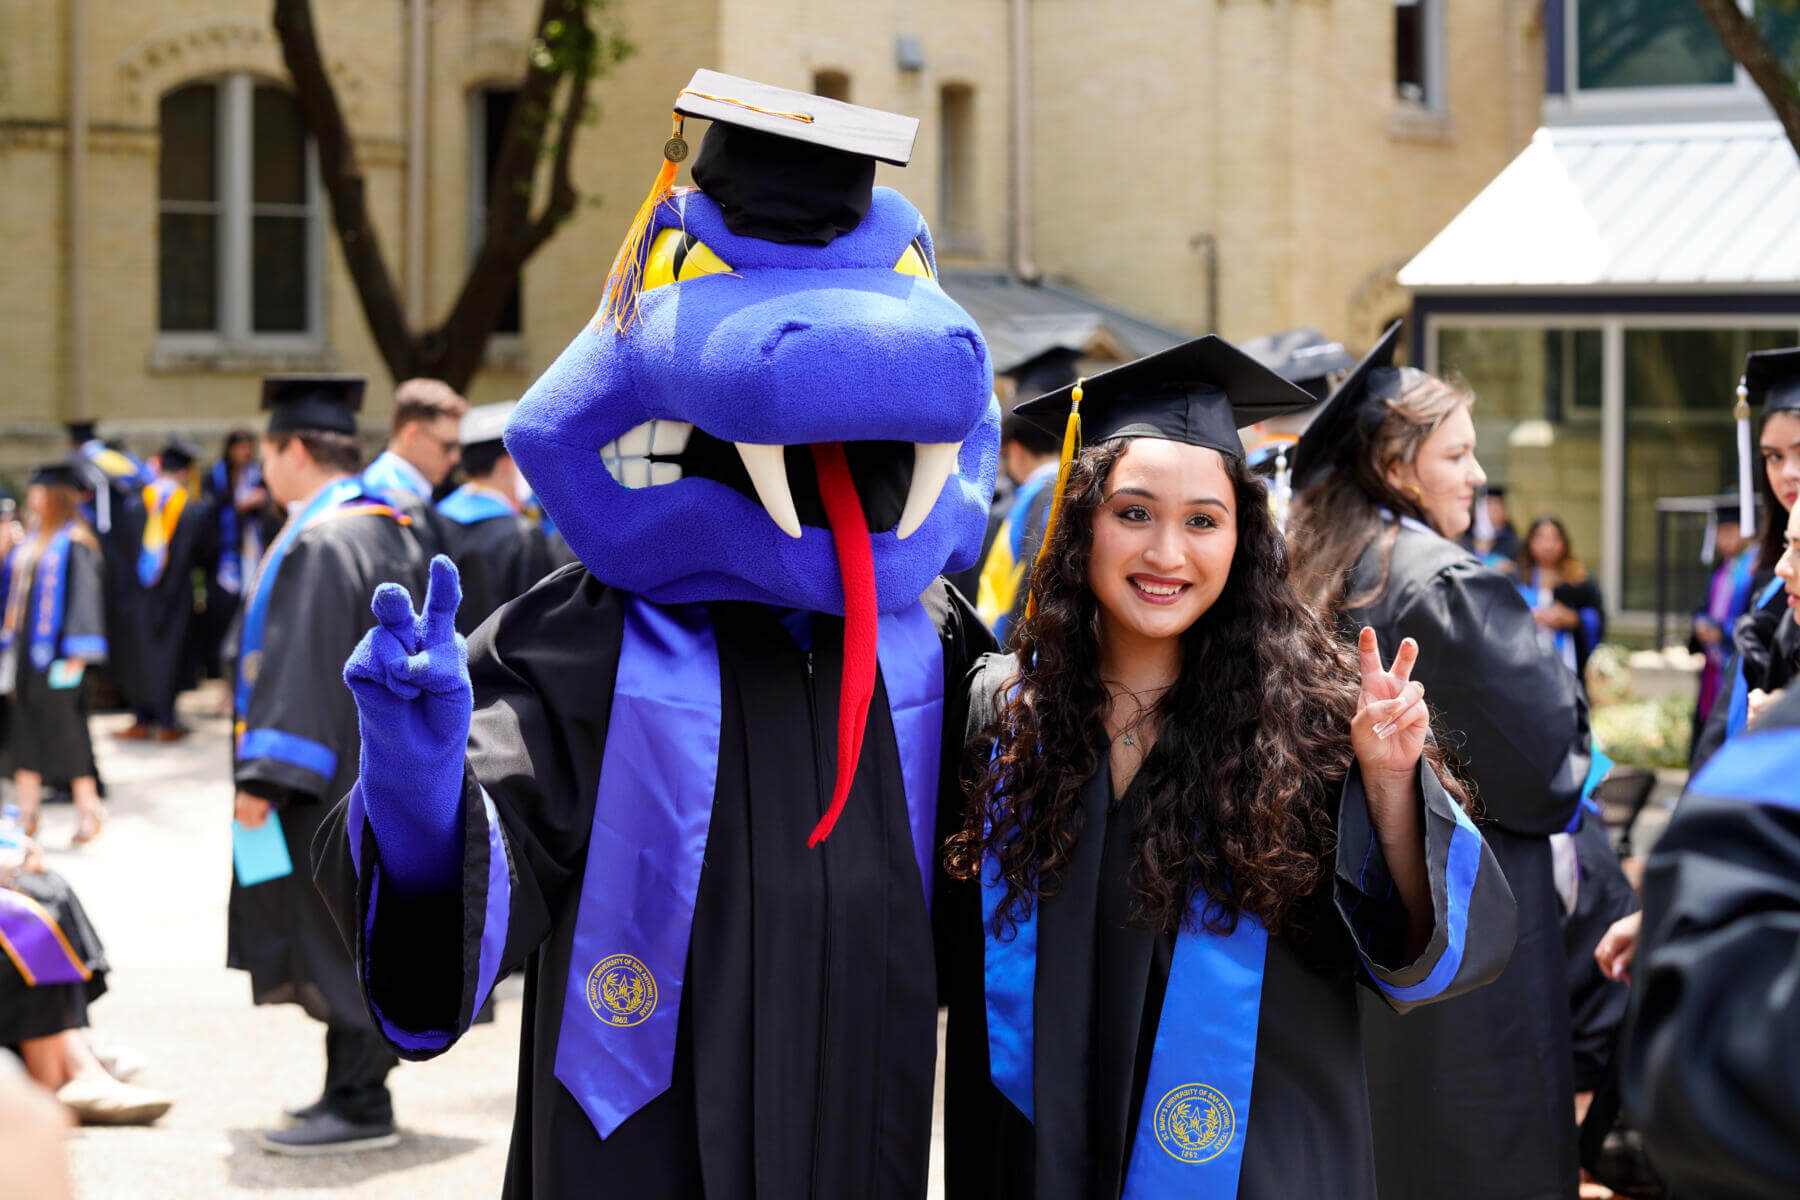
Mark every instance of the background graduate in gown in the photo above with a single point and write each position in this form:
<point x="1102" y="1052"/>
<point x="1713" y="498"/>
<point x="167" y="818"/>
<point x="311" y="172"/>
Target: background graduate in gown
<point x="511" y="546"/>
<point x="691" y="785"/>
<point x="1709" y="1067"/>
<point x="1195" y="836"/>
<point x="52" y="628"/>
<point x="1770" y="386"/>
<point x="296" y="742"/>
<point x="175" y="537"/>
<point x="1474" y="1098"/>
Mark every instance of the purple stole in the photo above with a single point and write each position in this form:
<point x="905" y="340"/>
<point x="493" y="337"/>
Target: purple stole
<point x="628" y="960"/>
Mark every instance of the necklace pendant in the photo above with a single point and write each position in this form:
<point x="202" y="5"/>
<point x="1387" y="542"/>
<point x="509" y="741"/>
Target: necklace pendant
<point x="1131" y="739"/>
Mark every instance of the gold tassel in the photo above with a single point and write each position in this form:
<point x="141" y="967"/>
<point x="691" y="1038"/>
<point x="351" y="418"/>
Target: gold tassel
<point x="1070" y="448"/>
<point x="626" y="279"/>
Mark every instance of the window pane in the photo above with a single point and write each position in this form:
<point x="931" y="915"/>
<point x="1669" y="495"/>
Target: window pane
<point x="278" y="147"/>
<point x="1537" y="421"/>
<point x="189" y="126"/>
<point x="956" y="164"/>
<point x="278" y="275"/>
<point x="187" y="272"/>
<point x="1680" y="386"/>
<point x="1647" y="43"/>
<point x="497" y="106"/>
<point x="1783" y="31"/>
<point x="1409" y="50"/>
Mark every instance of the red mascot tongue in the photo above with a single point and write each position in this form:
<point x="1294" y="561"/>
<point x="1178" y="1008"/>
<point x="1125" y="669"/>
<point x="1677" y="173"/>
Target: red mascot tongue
<point x="856" y="562"/>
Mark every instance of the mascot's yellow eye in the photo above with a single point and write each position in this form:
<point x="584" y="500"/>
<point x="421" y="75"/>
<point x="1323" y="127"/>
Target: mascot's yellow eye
<point x="913" y="262"/>
<point x="676" y="255"/>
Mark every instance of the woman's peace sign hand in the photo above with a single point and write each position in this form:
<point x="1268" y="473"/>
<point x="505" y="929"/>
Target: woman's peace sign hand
<point x="1388" y="733"/>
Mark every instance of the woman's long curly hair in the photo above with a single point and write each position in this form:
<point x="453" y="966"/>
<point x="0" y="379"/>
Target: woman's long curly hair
<point x="1252" y="744"/>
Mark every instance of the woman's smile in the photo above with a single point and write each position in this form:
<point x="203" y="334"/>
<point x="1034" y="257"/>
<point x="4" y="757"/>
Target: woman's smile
<point x="1155" y="589"/>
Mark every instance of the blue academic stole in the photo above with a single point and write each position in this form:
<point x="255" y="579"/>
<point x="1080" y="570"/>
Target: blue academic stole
<point x="471" y="504"/>
<point x="230" y="573"/>
<point x="1738" y="714"/>
<point x="628" y="960"/>
<point x="51" y="573"/>
<point x="254" y="743"/>
<point x="1196" y="1105"/>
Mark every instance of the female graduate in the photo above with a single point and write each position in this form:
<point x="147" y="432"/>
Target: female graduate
<point x="1476" y="1097"/>
<point x="1194" y="833"/>
<point x="1564" y="599"/>
<point x="53" y="628"/>
<point x="1767" y="647"/>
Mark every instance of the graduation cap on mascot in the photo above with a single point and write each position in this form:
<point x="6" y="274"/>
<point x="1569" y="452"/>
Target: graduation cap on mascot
<point x="776" y="401"/>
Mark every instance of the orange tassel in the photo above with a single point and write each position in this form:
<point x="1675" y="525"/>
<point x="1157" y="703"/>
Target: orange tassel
<point x="1070" y="448"/>
<point x="626" y="279"/>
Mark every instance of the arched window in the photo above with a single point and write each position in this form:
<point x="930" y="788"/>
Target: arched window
<point x="833" y="85"/>
<point x="237" y="216"/>
<point x="956" y="166"/>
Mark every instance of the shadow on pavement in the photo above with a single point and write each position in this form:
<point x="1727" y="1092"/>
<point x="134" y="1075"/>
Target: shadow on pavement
<point x="254" y="1168"/>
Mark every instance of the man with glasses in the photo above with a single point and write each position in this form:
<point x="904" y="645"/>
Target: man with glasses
<point x="423" y="448"/>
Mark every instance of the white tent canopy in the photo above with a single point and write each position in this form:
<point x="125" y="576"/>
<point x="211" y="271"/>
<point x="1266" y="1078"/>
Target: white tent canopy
<point x="1683" y="207"/>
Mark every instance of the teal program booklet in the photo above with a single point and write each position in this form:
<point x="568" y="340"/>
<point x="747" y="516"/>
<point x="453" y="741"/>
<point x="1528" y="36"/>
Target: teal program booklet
<point x="260" y="854"/>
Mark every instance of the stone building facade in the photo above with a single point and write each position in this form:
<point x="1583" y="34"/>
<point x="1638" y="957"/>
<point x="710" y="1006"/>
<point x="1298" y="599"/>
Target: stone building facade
<point x="1244" y="165"/>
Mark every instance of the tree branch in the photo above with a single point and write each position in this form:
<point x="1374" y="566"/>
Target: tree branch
<point x="563" y="196"/>
<point x="344" y="183"/>
<point x="1744" y="42"/>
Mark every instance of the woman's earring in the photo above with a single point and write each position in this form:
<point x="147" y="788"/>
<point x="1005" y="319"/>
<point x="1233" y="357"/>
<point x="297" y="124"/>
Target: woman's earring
<point x="1417" y="495"/>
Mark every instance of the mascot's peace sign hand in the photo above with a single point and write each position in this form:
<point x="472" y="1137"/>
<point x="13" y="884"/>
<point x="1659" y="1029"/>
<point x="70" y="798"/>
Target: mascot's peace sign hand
<point x="1391" y="721"/>
<point x="410" y="673"/>
<point x="410" y="677"/>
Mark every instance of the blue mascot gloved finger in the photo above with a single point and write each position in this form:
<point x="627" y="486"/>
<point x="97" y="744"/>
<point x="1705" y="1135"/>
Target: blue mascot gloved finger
<point x="378" y="660"/>
<point x="443" y="595"/>
<point x="441" y="669"/>
<point x="392" y="607"/>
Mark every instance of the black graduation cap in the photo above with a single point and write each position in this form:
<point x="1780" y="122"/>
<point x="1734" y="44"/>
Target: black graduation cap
<point x="1353" y="412"/>
<point x="82" y="432"/>
<point x="59" y="474"/>
<point x="485" y="423"/>
<point x="1494" y="489"/>
<point x="788" y="166"/>
<point x="1301" y="356"/>
<point x="1044" y="372"/>
<point x="313" y="403"/>
<point x="1772" y="379"/>
<point x="179" y="454"/>
<point x="1200" y="392"/>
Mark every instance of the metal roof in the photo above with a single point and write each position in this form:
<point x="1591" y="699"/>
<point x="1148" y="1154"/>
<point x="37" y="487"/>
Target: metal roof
<point x="1022" y="320"/>
<point x="1658" y="206"/>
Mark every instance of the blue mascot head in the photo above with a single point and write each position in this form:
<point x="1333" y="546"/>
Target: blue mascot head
<point x="784" y="306"/>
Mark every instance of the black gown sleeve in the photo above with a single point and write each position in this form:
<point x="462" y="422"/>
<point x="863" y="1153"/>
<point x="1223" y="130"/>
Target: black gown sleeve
<point x="1712" y="1052"/>
<point x="300" y="721"/>
<point x="542" y="670"/>
<point x="1519" y="720"/>
<point x="84" y="608"/>
<point x="1474" y="918"/>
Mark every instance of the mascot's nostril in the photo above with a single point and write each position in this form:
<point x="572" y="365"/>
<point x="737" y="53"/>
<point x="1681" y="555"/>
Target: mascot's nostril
<point x="782" y="330"/>
<point x="976" y="346"/>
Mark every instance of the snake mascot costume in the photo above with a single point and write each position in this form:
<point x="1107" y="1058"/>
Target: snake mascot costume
<point x="690" y="786"/>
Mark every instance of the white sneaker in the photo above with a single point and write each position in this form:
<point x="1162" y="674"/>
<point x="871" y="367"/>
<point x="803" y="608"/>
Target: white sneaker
<point x="102" y="1100"/>
<point x="123" y="1063"/>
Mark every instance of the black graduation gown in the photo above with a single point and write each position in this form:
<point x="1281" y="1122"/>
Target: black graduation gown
<point x="505" y="556"/>
<point x="1767" y="647"/>
<point x="807" y="1027"/>
<point x="1474" y="1098"/>
<point x="280" y="931"/>
<point x="47" y="729"/>
<point x="437" y="534"/>
<point x="28" y="1012"/>
<point x="1596" y="1003"/>
<point x="1100" y="994"/>
<point x="161" y="613"/>
<point x="1710" y="1073"/>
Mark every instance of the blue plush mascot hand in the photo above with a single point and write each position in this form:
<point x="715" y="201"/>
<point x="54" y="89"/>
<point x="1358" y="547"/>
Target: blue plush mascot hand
<point x="410" y="678"/>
